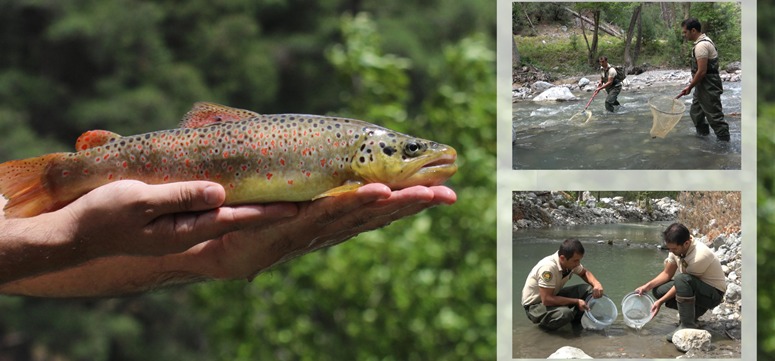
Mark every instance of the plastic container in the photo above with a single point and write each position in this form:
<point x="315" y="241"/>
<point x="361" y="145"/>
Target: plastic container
<point x="601" y="314"/>
<point x="636" y="309"/>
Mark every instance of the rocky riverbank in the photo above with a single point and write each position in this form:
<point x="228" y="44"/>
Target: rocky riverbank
<point x="561" y="90"/>
<point x="551" y="209"/>
<point x="545" y="209"/>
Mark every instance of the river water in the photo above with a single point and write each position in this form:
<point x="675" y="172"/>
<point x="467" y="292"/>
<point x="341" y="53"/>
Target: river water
<point x="620" y="268"/>
<point x="546" y="139"/>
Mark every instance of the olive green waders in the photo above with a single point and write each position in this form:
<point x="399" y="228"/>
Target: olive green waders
<point x="693" y="298"/>
<point x="706" y="109"/>
<point x="553" y="317"/>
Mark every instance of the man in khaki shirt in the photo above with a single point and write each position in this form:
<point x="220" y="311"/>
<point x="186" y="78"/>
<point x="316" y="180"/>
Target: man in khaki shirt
<point x="698" y="285"/>
<point x="706" y="111"/>
<point x="544" y="298"/>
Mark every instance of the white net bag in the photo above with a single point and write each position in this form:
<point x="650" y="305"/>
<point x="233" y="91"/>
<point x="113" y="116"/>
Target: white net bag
<point x="666" y="112"/>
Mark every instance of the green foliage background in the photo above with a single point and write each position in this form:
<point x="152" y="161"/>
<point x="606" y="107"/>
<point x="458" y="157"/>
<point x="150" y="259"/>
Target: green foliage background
<point x="423" y="288"/>
<point x="766" y="181"/>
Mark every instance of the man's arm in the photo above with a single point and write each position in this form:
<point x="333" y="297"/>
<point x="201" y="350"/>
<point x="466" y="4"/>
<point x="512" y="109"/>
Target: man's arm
<point x="666" y="275"/>
<point x="702" y="69"/>
<point x="242" y="253"/>
<point x="549" y="299"/>
<point x="597" y="287"/>
<point x="607" y="84"/>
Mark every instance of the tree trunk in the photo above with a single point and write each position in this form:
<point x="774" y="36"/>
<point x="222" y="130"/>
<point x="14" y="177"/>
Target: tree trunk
<point x="638" y="41"/>
<point x="687" y="7"/>
<point x="606" y="29"/>
<point x="628" y="62"/>
<point x="592" y="59"/>
<point x="668" y="13"/>
<point x="515" y="60"/>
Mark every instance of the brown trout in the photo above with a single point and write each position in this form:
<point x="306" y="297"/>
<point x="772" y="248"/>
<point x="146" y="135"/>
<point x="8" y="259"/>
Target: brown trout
<point x="257" y="158"/>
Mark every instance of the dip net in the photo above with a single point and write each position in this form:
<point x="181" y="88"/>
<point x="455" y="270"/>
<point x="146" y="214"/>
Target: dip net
<point x="581" y="117"/>
<point x="666" y="112"/>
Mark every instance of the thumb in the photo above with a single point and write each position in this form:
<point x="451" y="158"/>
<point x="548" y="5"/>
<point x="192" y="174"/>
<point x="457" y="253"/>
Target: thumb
<point x="183" y="197"/>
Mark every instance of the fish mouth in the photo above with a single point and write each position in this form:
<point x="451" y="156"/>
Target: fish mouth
<point x="435" y="171"/>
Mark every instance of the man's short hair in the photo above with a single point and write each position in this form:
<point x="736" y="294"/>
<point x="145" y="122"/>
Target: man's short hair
<point x="677" y="234"/>
<point x="692" y="23"/>
<point x="603" y="57"/>
<point x="569" y="247"/>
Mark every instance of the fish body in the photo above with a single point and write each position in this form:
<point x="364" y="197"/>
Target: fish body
<point x="256" y="157"/>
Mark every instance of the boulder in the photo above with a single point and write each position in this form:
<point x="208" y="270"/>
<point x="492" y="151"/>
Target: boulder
<point x="691" y="338"/>
<point x="733" y="67"/>
<point x="540" y="86"/>
<point x="568" y="352"/>
<point x="583" y="82"/>
<point x="558" y="93"/>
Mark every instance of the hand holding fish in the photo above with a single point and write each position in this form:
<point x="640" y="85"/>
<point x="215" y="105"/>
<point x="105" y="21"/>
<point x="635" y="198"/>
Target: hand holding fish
<point x="124" y="218"/>
<point x="323" y="223"/>
<point x="271" y="238"/>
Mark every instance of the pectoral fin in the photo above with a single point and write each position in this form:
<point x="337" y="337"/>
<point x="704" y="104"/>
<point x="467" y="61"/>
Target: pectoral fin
<point x="349" y="187"/>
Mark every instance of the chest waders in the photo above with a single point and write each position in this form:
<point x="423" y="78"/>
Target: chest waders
<point x="706" y="111"/>
<point x="612" y="90"/>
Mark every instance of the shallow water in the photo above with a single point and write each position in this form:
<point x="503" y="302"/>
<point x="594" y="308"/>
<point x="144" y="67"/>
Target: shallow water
<point x="620" y="268"/>
<point x="545" y="138"/>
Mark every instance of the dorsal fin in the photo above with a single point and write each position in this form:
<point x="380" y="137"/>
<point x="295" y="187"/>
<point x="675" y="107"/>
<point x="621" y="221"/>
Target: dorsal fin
<point x="94" y="138"/>
<point x="204" y="113"/>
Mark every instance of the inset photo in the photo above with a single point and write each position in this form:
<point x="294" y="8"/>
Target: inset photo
<point x="626" y="85"/>
<point x="625" y="275"/>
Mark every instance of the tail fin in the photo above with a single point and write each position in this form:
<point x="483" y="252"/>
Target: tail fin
<point x="23" y="183"/>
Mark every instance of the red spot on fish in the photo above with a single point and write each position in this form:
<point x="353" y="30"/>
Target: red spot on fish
<point x="264" y="151"/>
<point x="290" y="181"/>
<point x="187" y="162"/>
<point x="282" y="162"/>
<point x="269" y="176"/>
<point x="309" y="174"/>
<point x="124" y="164"/>
<point x="85" y="171"/>
<point x="110" y="176"/>
<point x="244" y="168"/>
<point x="65" y="173"/>
<point x="148" y="165"/>
<point x="226" y="154"/>
<point x="106" y="156"/>
<point x="84" y="147"/>
<point x="166" y="178"/>
<point x="323" y="162"/>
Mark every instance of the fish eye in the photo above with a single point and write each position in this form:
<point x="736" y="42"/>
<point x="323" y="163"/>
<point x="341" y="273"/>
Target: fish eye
<point x="413" y="148"/>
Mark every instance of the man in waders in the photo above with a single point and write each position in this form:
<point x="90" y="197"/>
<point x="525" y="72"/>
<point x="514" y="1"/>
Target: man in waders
<point x="706" y="105"/>
<point x="545" y="300"/>
<point x="699" y="284"/>
<point x="611" y="82"/>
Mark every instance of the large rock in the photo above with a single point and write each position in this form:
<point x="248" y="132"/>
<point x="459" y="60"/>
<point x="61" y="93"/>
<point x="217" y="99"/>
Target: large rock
<point x="558" y="93"/>
<point x="540" y="86"/>
<point x="568" y="352"/>
<point x="690" y="338"/>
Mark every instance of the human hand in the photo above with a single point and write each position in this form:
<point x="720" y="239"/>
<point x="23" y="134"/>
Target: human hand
<point x="582" y="305"/>
<point x="655" y="308"/>
<point x="133" y="218"/>
<point x="318" y="224"/>
<point x="685" y="91"/>
<point x="641" y="290"/>
<point x="597" y="291"/>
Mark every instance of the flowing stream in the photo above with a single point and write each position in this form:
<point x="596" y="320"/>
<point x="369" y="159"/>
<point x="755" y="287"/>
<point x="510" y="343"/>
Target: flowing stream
<point x="545" y="138"/>
<point x="631" y="260"/>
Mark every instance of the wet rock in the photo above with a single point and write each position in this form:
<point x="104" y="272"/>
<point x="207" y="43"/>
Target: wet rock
<point x="583" y="82"/>
<point x="568" y="352"/>
<point x="733" y="67"/>
<point x="540" y="86"/>
<point x="689" y="339"/>
<point x="558" y="93"/>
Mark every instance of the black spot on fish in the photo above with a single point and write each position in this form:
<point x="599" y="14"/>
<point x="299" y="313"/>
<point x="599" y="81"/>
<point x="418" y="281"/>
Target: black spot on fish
<point x="123" y="143"/>
<point x="368" y="151"/>
<point x="357" y="136"/>
<point x="363" y="146"/>
<point x="382" y="144"/>
<point x="148" y="136"/>
<point x="391" y="135"/>
<point x="338" y="135"/>
<point x="329" y="127"/>
<point x="362" y="160"/>
<point x="389" y="150"/>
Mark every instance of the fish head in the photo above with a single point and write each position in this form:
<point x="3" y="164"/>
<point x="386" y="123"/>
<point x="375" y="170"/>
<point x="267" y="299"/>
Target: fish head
<point x="400" y="161"/>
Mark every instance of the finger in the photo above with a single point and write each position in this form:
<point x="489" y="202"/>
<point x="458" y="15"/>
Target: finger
<point x="181" y="231"/>
<point x="329" y="209"/>
<point x="179" y="197"/>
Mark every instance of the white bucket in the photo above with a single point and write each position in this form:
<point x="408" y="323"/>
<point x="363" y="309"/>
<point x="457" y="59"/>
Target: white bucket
<point x="601" y="314"/>
<point x="636" y="309"/>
